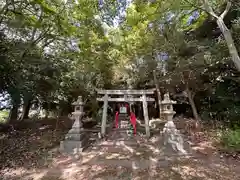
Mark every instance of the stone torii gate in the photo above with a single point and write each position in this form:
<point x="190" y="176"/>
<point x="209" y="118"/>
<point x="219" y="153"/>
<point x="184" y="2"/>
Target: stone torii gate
<point x="125" y="98"/>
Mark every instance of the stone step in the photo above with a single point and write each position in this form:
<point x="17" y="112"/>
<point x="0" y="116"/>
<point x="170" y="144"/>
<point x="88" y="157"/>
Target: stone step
<point x="124" y="122"/>
<point x="115" y="150"/>
<point x="121" y="129"/>
<point x="135" y="151"/>
<point x="124" y="125"/>
<point x="120" y="136"/>
<point x="121" y="114"/>
<point x="127" y="119"/>
<point x="119" y="143"/>
<point x="137" y="164"/>
<point x="125" y="150"/>
<point x="124" y="119"/>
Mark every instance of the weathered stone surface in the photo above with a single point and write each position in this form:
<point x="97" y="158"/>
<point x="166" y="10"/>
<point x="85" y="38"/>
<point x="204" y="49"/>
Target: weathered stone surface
<point x="120" y="142"/>
<point x="76" y="140"/>
<point x="75" y="136"/>
<point x="173" y="138"/>
<point x="73" y="147"/>
<point x="167" y="108"/>
<point x="157" y="123"/>
<point x="74" y="130"/>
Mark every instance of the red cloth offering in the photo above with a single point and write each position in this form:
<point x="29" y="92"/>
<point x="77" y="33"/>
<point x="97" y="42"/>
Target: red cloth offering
<point x="133" y="122"/>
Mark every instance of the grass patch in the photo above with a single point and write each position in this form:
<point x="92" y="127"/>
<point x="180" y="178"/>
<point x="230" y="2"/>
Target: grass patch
<point x="3" y="116"/>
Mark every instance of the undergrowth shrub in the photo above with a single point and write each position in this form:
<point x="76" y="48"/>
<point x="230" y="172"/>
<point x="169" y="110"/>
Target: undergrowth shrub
<point x="231" y="139"/>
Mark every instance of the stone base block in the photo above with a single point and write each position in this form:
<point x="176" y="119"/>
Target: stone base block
<point x="73" y="147"/>
<point x="75" y="137"/>
<point x="75" y="130"/>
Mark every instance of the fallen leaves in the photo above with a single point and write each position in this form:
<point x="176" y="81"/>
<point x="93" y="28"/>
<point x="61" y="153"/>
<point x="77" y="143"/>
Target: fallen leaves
<point x="33" y="149"/>
<point x="31" y="146"/>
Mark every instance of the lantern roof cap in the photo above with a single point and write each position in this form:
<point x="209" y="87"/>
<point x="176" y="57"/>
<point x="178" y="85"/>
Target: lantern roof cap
<point x="167" y="100"/>
<point x="78" y="102"/>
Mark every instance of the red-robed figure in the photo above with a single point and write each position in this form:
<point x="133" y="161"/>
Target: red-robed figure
<point x="132" y="116"/>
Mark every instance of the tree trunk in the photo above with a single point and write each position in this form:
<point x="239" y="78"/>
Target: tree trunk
<point x="26" y="108"/>
<point x="46" y="113"/>
<point x="13" y="115"/>
<point x="158" y="93"/>
<point x="230" y="42"/>
<point x="192" y="103"/>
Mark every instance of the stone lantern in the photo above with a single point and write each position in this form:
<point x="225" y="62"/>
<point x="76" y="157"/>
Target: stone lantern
<point x="74" y="133"/>
<point x="172" y="137"/>
<point x="167" y="108"/>
<point x="75" y="140"/>
<point x="78" y="111"/>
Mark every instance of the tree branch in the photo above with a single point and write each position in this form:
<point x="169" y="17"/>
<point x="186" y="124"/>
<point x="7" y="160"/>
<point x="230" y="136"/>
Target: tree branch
<point x="47" y="43"/>
<point x="209" y="8"/>
<point x="3" y="14"/>
<point x="229" y="4"/>
<point x="194" y="5"/>
<point x="35" y="28"/>
<point x="42" y="36"/>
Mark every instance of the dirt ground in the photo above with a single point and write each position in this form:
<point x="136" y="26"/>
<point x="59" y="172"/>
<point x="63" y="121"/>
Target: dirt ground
<point x="32" y="154"/>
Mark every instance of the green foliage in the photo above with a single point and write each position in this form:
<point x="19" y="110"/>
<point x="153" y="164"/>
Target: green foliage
<point x="53" y="51"/>
<point x="231" y="139"/>
<point x="196" y="23"/>
<point x="3" y="116"/>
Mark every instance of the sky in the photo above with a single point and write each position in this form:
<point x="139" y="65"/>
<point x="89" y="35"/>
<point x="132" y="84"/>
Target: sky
<point x="122" y="13"/>
<point x="4" y="100"/>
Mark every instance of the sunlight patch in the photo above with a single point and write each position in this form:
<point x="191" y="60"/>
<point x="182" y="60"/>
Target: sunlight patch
<point x="128" y="147"/>
<point x="134" y="165"/>
<point x="112" y="156"/>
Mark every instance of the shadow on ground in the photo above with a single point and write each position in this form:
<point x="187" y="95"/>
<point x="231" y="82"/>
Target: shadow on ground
<point x="134" y="158"/>
<point x="33" y="144"/>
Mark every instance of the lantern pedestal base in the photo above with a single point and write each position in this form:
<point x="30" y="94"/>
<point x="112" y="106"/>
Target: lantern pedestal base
<point x="73" y="147"/>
